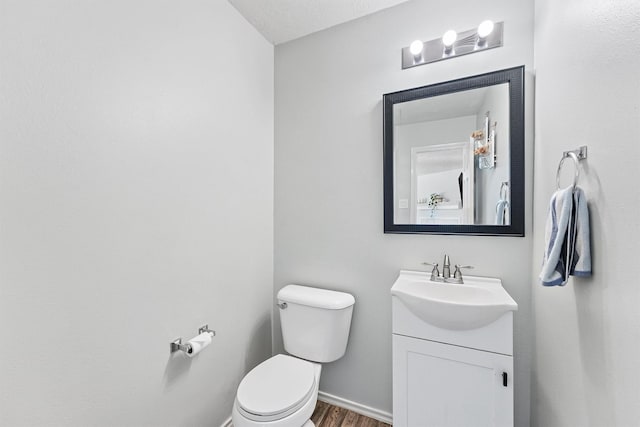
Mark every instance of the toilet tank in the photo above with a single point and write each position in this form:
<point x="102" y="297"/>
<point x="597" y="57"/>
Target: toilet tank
<point x="315" y="322"/>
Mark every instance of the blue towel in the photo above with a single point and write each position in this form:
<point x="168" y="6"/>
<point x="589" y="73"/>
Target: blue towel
<point x="501" y="210"/>
<point x="581" y="259"/>
<point x="567" y="238"/>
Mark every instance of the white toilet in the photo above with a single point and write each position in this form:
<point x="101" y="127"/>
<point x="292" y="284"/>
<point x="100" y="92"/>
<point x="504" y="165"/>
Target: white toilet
<point x="282" y="391"/>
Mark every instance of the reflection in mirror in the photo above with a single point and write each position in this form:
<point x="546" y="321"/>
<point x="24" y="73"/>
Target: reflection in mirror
<point x="454" y="152"/>
<point x="446" y="165"/>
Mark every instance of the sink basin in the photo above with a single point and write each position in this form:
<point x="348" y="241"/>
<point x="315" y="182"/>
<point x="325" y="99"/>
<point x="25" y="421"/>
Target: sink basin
<point x="476" y="303"/>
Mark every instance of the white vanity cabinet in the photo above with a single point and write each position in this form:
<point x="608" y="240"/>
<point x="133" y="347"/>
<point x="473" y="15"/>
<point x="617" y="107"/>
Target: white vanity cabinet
<point x="437" y="384"/>
<point x="447" y="377"/>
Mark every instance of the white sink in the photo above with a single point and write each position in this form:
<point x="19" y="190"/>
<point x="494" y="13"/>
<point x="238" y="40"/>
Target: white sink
<point x="476" y="303"/>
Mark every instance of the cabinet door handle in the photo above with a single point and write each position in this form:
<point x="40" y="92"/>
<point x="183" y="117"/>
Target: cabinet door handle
<point x="504" y="379"/>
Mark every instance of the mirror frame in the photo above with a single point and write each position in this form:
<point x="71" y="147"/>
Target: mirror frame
<point x="515" y="78"/>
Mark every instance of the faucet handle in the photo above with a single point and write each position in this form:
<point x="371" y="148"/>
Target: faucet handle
<point x="435" y="272"/>
<point x="457" y="274"/>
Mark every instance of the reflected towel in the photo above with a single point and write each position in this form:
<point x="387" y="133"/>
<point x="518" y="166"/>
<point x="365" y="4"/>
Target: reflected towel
<point x="501" y="211"/>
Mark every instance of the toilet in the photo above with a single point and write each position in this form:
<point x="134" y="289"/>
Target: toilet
<point x="282" y="391"/>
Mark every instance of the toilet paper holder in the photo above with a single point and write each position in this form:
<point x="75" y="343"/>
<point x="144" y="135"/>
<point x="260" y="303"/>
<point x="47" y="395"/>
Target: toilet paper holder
<point x="176" y="345"/>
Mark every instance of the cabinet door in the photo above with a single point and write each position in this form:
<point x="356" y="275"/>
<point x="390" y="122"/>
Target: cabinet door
<point x="444" y="385"/>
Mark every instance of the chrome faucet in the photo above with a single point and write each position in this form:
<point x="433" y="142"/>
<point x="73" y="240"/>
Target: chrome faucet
<point x="446" y="272"/>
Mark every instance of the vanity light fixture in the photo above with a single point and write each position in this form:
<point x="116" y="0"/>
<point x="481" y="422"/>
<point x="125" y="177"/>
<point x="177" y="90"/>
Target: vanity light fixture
<point x="487" y="36"/>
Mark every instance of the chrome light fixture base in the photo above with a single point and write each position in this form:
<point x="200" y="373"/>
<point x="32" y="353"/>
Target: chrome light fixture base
<point x="467" y="42"/>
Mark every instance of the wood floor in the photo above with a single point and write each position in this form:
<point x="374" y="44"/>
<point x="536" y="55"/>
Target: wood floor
<point x="327" y="415"/>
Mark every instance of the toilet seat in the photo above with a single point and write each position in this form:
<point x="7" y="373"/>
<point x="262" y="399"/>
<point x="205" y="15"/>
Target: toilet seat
<point x="276" y="388"/>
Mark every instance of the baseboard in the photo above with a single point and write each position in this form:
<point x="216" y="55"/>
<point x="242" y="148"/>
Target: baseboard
<point x="361" y="409"/>
<point x="227" y="423"/>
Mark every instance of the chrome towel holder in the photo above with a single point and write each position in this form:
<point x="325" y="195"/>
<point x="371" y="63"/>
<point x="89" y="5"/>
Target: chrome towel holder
<point x="576" y="155"/>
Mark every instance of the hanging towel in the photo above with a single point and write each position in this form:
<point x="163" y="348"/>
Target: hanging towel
<point x="567" y="247"/>
<point x="581" y="256"/>
<point x="501" y="211"/>
<point x="554" y="265"/>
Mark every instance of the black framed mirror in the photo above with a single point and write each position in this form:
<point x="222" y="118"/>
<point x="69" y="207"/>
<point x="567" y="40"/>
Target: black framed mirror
<point x="454" y="156"/>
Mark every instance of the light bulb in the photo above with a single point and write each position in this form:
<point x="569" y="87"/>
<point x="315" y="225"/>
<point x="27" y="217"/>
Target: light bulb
<point x="449" y="38"/>
<point x="485" y="28"/>
<point x="416" y="47"/>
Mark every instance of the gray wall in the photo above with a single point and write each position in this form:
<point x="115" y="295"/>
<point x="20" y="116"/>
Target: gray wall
<point x="587" y="359"/>
<point x="328" y="179"/>
<point x="136" y="206"/>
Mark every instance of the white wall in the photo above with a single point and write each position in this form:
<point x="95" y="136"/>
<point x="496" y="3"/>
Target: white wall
<point x="587" y="369"/>
<point x="136" y="170"/>
<point x="489" y="181"/>
<point x="328" y="179"/>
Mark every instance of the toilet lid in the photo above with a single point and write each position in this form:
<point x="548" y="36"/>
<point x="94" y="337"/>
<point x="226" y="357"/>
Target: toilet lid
<point x="277" y="385"/>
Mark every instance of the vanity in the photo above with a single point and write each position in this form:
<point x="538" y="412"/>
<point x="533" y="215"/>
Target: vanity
<point x="452" y="352"/>
<point x="454" y="164"/>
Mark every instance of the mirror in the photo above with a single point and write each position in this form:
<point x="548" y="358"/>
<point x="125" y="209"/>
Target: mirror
<point x="454" y="156"/>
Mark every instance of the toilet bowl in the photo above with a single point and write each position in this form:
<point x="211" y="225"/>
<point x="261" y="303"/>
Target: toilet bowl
<point x="282" y="391"/>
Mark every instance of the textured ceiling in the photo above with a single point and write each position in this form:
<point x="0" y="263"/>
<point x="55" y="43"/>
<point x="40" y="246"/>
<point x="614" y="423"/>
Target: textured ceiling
<point x="282" y="20"/>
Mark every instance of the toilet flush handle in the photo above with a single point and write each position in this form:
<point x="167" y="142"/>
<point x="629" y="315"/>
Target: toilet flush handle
<point x="282" y="305"/>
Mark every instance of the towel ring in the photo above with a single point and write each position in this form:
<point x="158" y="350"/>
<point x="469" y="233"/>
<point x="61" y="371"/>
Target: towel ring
<point x="576" y="162"/>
